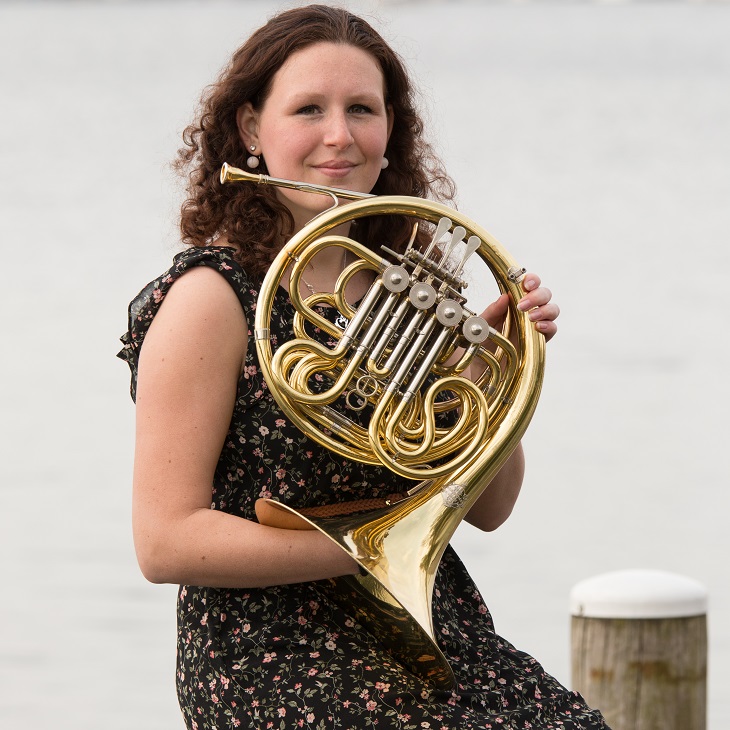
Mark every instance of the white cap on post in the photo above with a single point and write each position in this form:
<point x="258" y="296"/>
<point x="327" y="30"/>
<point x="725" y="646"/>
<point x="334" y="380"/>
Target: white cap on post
<point x="638" y="594"/>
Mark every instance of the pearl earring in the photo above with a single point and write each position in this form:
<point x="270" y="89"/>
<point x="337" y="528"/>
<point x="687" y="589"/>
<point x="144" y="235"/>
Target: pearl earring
<point x="384" y="163"/>
<point x="253" y="161"/>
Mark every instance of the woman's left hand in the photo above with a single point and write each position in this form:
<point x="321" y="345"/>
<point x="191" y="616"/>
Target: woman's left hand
<point x="537" y="301"/>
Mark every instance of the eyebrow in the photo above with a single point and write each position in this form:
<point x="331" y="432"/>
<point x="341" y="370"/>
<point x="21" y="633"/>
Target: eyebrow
<point x="303" y="97"/>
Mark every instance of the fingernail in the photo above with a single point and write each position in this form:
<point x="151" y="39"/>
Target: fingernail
<point x="530" y="284"/>
<point x="523" y="305"/>
<point x="541" y="326"/>
<point x="534" y="315"/>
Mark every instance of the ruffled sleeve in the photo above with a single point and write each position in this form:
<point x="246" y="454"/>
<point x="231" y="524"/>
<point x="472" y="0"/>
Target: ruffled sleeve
<point x="144" y="307"/>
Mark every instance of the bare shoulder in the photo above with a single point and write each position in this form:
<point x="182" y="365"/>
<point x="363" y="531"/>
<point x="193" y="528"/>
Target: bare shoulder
<point x="202" y="289"/>
<point x="200" y="318"/>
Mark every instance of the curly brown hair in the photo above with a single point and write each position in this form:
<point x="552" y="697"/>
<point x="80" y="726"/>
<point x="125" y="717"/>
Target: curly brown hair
<point x="251" y="216"/>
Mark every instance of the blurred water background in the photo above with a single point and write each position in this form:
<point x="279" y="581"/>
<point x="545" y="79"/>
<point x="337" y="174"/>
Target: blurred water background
<point x="590" y="138"/>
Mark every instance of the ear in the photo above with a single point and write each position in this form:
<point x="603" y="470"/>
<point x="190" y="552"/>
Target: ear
<point x="390" y="117"/>
<point x="247" y="121"/>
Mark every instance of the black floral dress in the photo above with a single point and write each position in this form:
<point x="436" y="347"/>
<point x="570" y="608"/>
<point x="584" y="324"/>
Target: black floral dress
<point x="286" y="656"/>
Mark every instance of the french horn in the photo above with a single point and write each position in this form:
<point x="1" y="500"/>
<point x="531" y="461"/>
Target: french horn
<point x="400" y="359"/>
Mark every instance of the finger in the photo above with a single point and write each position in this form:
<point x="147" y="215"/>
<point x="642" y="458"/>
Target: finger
<point x="530" y="282"/>
<point x="546" y="313"/>
<point x="547" y="328"/>
<point x="536" y="298"/>
<point x="495" y="312"/>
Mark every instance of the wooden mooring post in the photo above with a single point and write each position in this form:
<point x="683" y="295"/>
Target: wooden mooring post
<point x="639" y="649"/>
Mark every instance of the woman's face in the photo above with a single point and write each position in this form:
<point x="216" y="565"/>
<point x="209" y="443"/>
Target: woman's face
<point x="325" y="122"/>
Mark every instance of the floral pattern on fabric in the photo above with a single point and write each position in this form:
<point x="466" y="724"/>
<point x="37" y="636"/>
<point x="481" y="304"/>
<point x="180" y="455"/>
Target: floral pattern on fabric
<point x="288" y="656"/>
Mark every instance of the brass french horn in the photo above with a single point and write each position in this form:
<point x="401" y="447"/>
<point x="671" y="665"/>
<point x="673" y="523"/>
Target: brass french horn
<point x="400" y="356"/>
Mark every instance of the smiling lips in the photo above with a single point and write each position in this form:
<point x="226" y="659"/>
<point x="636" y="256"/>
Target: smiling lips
<point x="335" y="168"/>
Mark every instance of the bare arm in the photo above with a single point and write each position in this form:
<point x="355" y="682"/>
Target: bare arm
<point x="188" y="373"/>
<point x="496" y="502"/>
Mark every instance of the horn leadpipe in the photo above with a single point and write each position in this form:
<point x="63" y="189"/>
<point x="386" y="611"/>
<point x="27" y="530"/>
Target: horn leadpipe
<point x="235" y="174"/>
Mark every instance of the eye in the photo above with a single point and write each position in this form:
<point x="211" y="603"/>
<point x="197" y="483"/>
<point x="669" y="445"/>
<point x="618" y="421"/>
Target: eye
<point x="308" y="109"/>
<point x="360" y="109"/>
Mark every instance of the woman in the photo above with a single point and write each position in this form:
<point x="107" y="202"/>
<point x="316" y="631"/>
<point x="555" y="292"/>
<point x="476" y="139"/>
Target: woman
<point x="315" y="95"/>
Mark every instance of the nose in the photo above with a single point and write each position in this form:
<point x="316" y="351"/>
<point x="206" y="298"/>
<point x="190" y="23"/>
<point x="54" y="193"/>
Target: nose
<point x="338" y="133"/>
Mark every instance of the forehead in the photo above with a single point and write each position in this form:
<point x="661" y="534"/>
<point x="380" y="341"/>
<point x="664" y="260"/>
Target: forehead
<point x="329" y="65"/>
